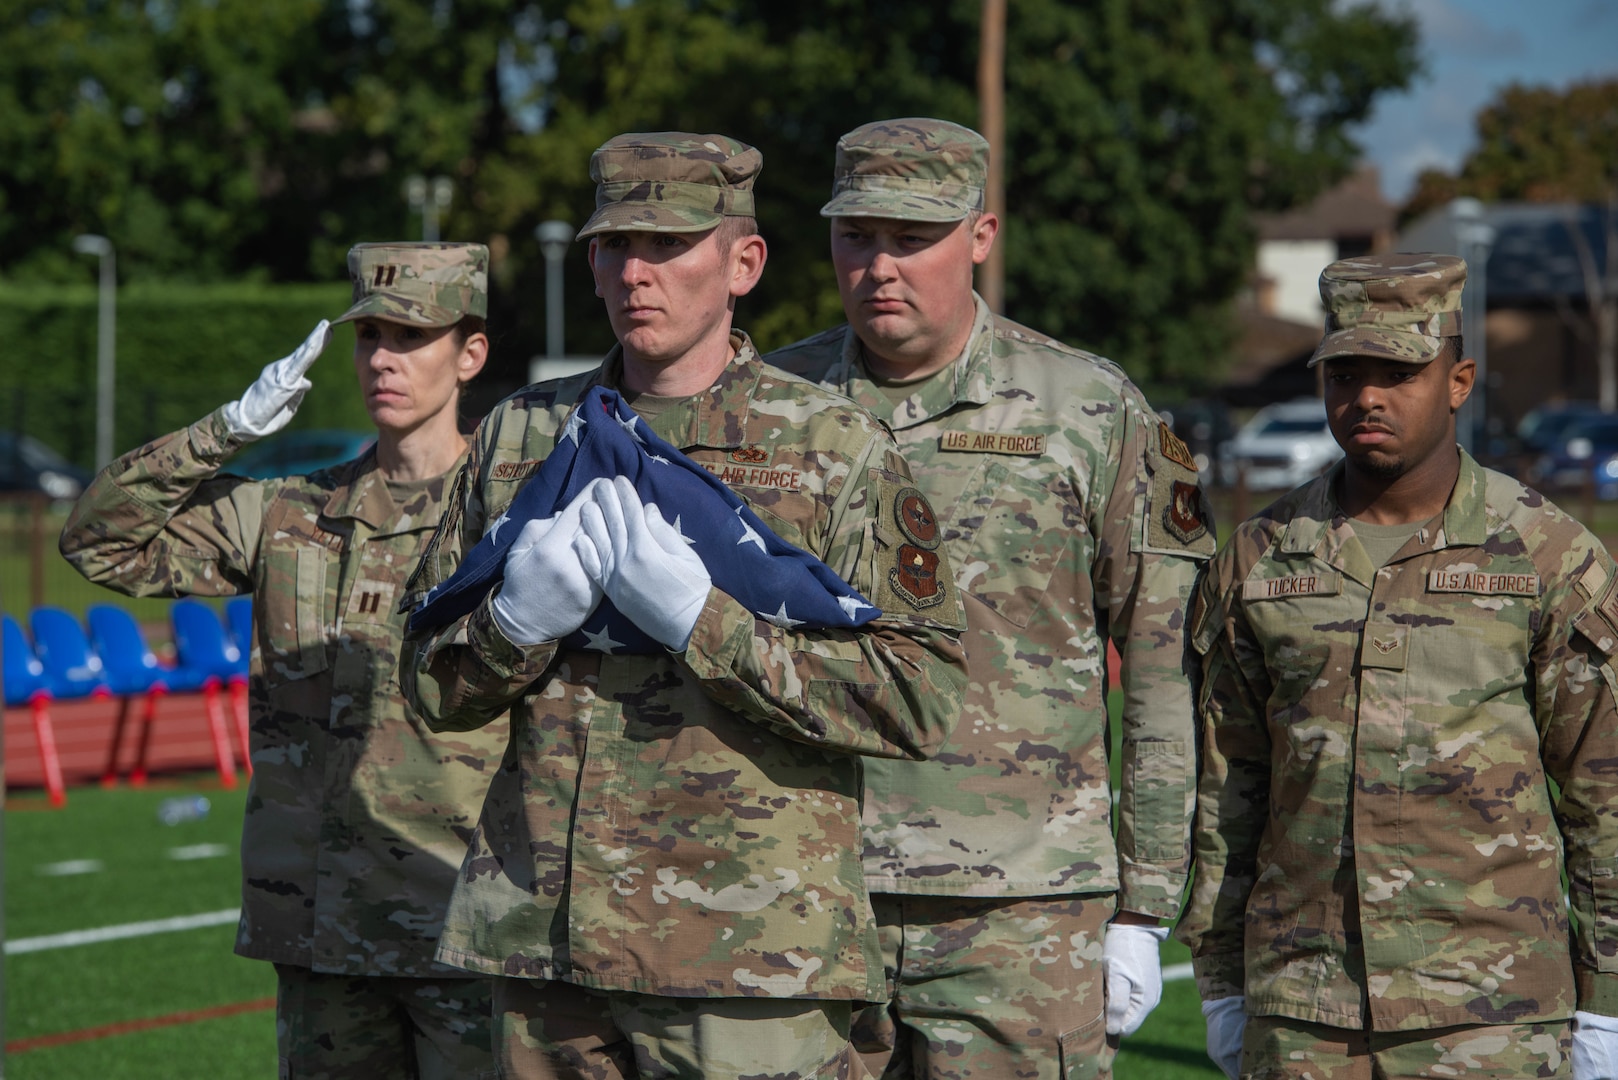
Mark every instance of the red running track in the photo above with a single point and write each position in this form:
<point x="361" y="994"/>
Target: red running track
<point x="180" y="741"/>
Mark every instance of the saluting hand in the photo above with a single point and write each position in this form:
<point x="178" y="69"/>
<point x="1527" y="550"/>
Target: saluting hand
<point x="268" y="405"/>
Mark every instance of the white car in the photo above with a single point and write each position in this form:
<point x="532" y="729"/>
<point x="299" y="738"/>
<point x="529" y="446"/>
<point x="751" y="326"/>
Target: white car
<point x="1284" y="445"/>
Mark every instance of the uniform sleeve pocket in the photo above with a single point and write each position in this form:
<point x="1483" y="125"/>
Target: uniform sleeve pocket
<point x="1604" y="898"/>
<point x="1154" y="801"/>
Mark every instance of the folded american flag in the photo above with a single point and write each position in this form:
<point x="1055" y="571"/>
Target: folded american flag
<point x="779" y="583"/>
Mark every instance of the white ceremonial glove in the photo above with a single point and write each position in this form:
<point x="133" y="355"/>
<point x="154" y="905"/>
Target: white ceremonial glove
<point x="1134" y="974"/>
<point x="1595" y="1046"/>
<point x="546" y="594"/>
<point x="1227" y="1022"/>
<point x="268" y="405"/>
<point x="643" y="563"/>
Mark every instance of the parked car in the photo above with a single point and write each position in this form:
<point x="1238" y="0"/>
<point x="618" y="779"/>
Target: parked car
<point x="1283" y="446"/>
<point x="298" y="452"/>
<point x="26" y="464"/>
<point x="1586" y="450"/>
<point x="1543" y="426"/>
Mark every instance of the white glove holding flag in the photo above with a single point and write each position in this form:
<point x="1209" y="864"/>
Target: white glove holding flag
<point x="1227" y="1023"/>
<point x="546" y="594"/>
<point x="269" y="403"/>
<point x="1595" y="1046"/>
<point x="643" y="563"/>
<point x="1134" y="974"/>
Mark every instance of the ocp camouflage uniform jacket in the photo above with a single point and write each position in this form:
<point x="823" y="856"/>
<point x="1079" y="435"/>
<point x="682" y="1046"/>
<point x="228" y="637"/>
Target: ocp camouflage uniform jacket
<point x="1066" y="522"/>
<point x="1377" y="844"/>
<point x="358" y="816"/>
<point x="687" y="824"/>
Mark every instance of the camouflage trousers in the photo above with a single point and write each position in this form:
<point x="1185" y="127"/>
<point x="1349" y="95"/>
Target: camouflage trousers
<point x="1001" y="988"/>
<point x="379" y="1027"/>
<point x="556" y="1031"/>
<point x="1277" y="1048"/>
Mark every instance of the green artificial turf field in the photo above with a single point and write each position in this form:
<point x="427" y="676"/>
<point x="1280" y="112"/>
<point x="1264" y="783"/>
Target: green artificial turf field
<point x="184" y="979"/>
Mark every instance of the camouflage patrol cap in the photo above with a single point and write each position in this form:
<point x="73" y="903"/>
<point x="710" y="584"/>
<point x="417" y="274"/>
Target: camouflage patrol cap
<point x="914" y="169"/>
<point x="671" y="181"/>
<point x="425" y="284"/>
<point x="1396" y="306"/>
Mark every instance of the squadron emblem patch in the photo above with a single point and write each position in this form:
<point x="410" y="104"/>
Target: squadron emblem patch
<point x="916" y="577"/>
<point x="1182" y="517"/>
<point x="915" y="518"/>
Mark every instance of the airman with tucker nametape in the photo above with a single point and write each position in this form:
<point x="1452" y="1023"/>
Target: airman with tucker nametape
<point x="1400" y="656"/>
<point x="665" y="879"/>
<point x="1071" y="516"/>
<point x="358" y="815"/>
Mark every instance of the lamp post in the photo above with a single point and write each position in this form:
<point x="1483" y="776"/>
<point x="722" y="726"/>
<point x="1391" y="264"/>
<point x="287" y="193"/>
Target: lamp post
<point x="1474" y="236"/>
<point x="429" y="197"/>
<point x="554" y="239"/>
<point x="106" y="339"/>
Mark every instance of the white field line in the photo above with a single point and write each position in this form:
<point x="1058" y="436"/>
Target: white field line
<point x="117" y="933"/>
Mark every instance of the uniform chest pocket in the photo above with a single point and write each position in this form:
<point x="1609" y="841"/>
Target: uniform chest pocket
<point x="1012" y="533"/>
<point x="295" y="613"/>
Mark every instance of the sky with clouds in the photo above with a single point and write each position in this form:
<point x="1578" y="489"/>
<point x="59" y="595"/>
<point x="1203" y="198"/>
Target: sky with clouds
<point x="1473" y="48"/>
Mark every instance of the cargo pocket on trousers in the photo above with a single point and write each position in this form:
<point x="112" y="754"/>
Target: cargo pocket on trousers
<point x="1084" y="1050"/>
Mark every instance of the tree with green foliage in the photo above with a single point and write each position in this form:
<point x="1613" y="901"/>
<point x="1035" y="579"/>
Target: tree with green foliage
<point x="260" y="138"/>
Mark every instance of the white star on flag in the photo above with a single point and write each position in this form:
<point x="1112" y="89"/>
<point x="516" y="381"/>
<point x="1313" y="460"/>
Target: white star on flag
<point x="659" y="458"/>
<point x="601" y="640"/>
<point x="781" y="618"/>
<point x="570" y="430"/>
<point x="494" y="526"/>
<point x="681" y="531"/>
<point x="629" y="426"/>
<point x="749" y="534"/>
<point x="851" y="606"/>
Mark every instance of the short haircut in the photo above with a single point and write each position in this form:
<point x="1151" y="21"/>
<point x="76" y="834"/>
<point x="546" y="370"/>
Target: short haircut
<point x="733" y="228"/>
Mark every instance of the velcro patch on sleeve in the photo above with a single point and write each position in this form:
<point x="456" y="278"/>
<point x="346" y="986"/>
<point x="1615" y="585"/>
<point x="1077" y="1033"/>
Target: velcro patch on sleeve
<point x="913" y="572"/>
<point x="1177" y="515"/>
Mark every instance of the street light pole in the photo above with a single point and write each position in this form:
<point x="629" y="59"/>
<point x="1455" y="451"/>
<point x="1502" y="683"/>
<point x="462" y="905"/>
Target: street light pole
<point x="106" y="340"/>
<point x="554" y="238"/>
<point x="1475" y="237"/>
<point x="429" y="198"/>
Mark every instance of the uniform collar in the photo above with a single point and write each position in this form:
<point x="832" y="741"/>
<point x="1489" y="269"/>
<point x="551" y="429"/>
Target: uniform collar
<point x="363" y="495"/>
<point x="1319" y="527"/>
<point x="966" y="378"/>
<point x="718" y="416"/>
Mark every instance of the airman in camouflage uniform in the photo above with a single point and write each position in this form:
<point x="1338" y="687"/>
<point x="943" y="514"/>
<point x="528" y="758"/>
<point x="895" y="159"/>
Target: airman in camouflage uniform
<point x="358" y="816"/>
<point x="676" y="835"/>
<point x="1400" y="657"/>
<point x="1072" y="517"/>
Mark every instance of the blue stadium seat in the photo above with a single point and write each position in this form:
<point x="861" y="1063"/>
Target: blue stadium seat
<point x="129" y="663"/>
<point x="200" y="641"/>
<point x="73" y="668"/>
<point x="24" y="674"/>
<point x="28" y="683"/>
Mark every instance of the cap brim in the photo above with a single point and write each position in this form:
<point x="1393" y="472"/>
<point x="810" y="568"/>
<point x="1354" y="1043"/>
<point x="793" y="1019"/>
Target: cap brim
<point x="648" y="217"/>
<point x="1396" y="345"/>
<point x="396" y="309"/>
<point x="885" y="204"/>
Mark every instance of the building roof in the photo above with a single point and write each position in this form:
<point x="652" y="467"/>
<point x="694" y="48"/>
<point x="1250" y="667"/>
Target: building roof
<point x="1533" y="259"/>
<point x="1354" y="208"/>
